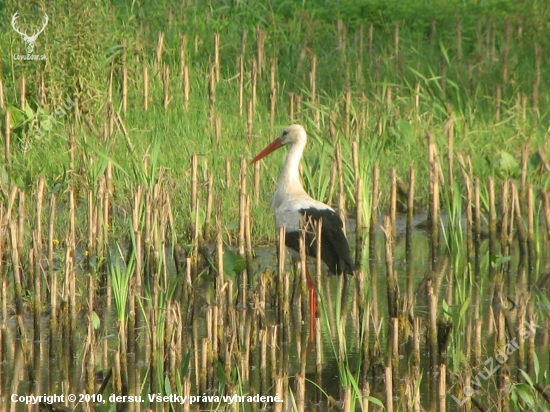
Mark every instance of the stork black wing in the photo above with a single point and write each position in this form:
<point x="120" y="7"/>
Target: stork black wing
<point x="334" y="245"/>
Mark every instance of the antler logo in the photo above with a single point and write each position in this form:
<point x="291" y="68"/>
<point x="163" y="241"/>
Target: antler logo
<point x="29" y="40"/>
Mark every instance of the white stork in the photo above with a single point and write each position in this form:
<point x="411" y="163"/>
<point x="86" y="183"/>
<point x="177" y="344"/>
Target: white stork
<point x="295" y="210"/>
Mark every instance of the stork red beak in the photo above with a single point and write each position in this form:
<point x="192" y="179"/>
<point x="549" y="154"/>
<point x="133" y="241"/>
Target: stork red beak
<point x="274" y="145"/>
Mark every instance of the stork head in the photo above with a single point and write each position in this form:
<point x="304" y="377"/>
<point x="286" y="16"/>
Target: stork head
<point x="292" y="134"/>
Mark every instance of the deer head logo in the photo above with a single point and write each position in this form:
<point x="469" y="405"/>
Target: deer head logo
<point x="29" y="40"/>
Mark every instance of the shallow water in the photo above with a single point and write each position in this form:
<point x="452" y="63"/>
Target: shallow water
<point x="264" y="351"/>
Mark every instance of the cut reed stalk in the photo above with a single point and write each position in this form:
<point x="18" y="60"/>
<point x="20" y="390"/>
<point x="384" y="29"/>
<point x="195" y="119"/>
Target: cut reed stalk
<point x="432" y="324"/>
<point x="298" y="105"/>
<point x="228" y="180"/>
<point x="217" y="61"/>
<point x="392" y="291"/>
<point x="536" y="82"/>
<point x="221" y="298"/>
<point x="393" y="202"/>
<point x="124" y="70"/>
<point x="389" y="389"/>
<point x="272" y="95"/>
<point x="257" y="182"/>
<point x="183" y="52"/>
<point x="166" y="85"/>
<point x="160" y="51"/>
<point x="359" y="229"/>
<point x="531" y="246"/>
<point x="300" y="295"/>
<point x="37" y="258"/>
<point x="70" y="271"/>
<point x="254" y="85"/>
<point x="442" y="387"/>
<point x="518" y="218"/>
<point x="7" y="137"/>
<point x="260" y="44"/>
<point x="51" y="273"/>
<point x="469" y="213"/>
<point x="23" y="95"/>
<point x="194" y="189"/>
<point x="372" y="240"/>
<point x="212" y="86"/>
<point x="92" y="224"/>
<point x="300" y="391"/>
<point x="250" y="120"/>
<point x="279" y="390"/>
<point x="365" y="392"/>
<point x="477" y="324"/>
<point x="507" y="216"/>
<point x="313" y="79"/>
<point x="248" y="245"/>
<point x="546" y="208"/>
<point x="291" y="115"/>
<point x="209" y="205"/>
<point x="241" y="83"/>
<point x="17" y="285"/>
<point x="21" y="219"/>
<point x="283" y="287"/>
<point x="477" y="229"/>
<point x="341" y="187"/>
<point x="492" y="227"/>
<point x="434" y="199"/>
<point x="408" y="236"/>
<point x="242" y="207"/>
<point x="498" y="102"/>
<point x="2" y="97"/>
<point x="263" y="361"/>
<point x="394" y="346"/>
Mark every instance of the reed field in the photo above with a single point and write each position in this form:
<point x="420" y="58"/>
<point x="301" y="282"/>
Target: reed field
<point x="140" y="267"/>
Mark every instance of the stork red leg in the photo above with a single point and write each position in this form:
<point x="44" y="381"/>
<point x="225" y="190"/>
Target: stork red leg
<point x="312" y="304"/>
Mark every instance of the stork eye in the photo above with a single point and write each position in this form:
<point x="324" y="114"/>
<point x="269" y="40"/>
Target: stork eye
<point x="285" y="132"/>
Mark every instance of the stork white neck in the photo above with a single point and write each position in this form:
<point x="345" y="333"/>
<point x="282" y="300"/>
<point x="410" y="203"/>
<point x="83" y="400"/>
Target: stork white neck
<point x="290" y="184"/>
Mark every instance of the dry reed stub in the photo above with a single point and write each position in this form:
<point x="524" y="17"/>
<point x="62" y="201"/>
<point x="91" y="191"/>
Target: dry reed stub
<point x="518" y="220"/>
<point x="37" y="258"/>
<point x="546" y="208"/>
<point x="212" y="86"/>
<point x="242" y="206"/>
<point x="408" y="235"/>
<point x="186" y="87"/>
<point x="23" y="91"/>
<point x="2" y="96"/>
<point x="17" y="286"/>
<point x="160" y="49"/>
<point x="393" y="202"/>
<point x="432" y="324"/>
<point x="241" y="84"/>
<point x="257" y="182"/>
<point x="194" y="189"/>
<point x="166" y="86"/>
<point x="254" y="86"/>
<point x="209" y="204"/>
<point x="435" y="170"/>
<point x="272" y="95"/>
<point x="389" y="388"/>
<point x="248" y="244"/>
<point x="300" y="283"/>
<point x="492" y="226"/>
<point x="124" y="72"/>
<point x="283" y="285"/>
<point x="392" y="287"/>
<point x="360" y="229"/>
<point x="7" y="137"/>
